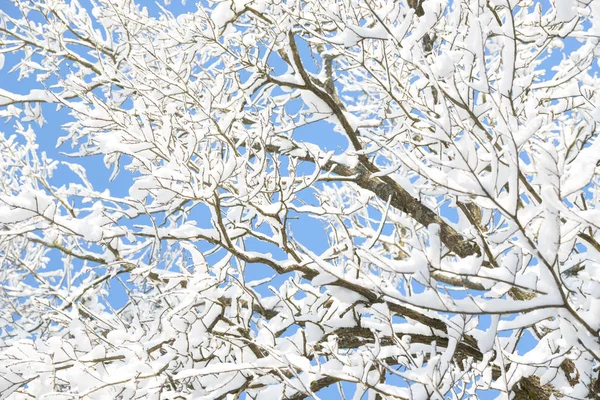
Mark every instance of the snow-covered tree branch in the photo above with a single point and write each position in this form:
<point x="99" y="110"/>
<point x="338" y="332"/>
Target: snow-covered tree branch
<point x="305" y="199"/>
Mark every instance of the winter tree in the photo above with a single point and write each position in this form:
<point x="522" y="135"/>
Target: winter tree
<point x="289" y="199"/>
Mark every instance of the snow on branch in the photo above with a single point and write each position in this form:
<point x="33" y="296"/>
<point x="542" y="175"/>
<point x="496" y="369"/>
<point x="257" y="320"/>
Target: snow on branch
<point x="289" y="200"/>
